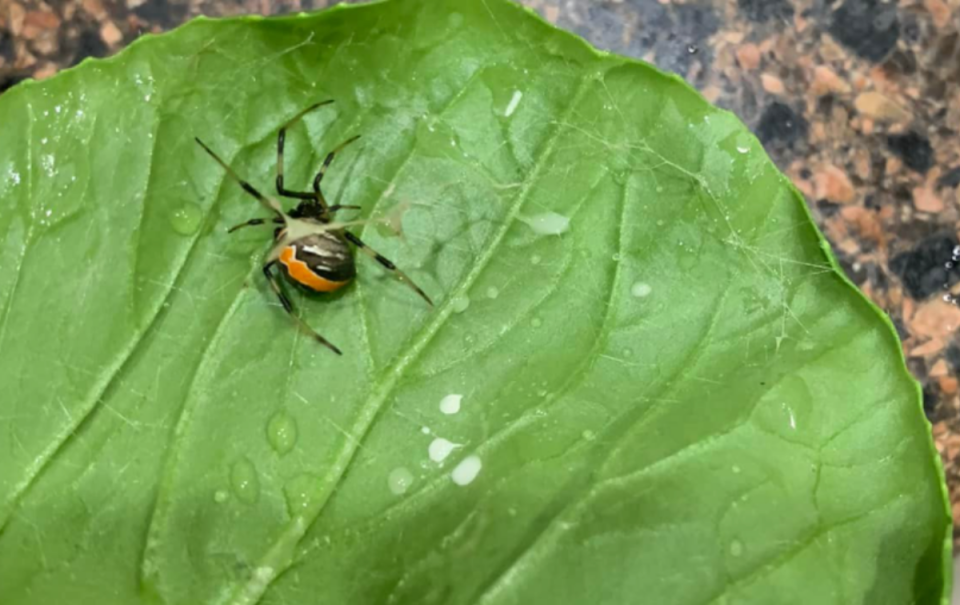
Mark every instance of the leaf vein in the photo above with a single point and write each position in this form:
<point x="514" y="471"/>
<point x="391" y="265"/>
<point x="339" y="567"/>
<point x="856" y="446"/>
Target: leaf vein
<point x="280" y="555"/>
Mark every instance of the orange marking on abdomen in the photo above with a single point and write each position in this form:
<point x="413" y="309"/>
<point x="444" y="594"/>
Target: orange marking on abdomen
<point x="300" y="272"/>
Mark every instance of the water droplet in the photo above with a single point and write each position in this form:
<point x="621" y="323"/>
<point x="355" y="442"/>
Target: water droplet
<point x="742" y="149"/>
<point x="451" y="404"/>
<point x="588" y="435"/>
<point x="692" y="49"/>
<point x="492" y="293"/>
<point x="425" y="430"/>
<point x="400" y="479"/>
<point x="440" y="448"/>
<point x="146" y="98"/>
<point x="459" y="304"/>
<point x="185" y="219"/>
<point x="536" y="322"/>
<point x="220" y="496"/>
<point x="467" y="470"/>
<point x="547" y="223"/>
<point x="736" y="548"/>
<point x="299" y="492"/>
<point x="791" y="418"/>
<point x="641" y="289"/>
<point x="512" y="105"/>
<point x="244" y="481"/>
<point x="282" y="432"/>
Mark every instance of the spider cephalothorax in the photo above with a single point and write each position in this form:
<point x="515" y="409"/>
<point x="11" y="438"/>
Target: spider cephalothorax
<point x="310" y="245"/>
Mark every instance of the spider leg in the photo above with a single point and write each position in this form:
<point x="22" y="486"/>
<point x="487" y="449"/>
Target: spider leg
<point x="327" y="161"/>
<point x="337" y="207"/>
<point x="281" y="139"/>
<point x="389" y="266"/>
<point x="268" y="203"/>
<point x="252" y="223"/>
<point x="288" y="307"/>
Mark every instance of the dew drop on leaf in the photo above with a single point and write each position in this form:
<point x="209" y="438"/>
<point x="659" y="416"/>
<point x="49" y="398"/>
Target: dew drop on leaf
<point x="512" y="105"/>
<point x="492" y="292"/>
<point x="220" y="496"/>
<point x="641" y="289"/>
<point x="400" y="480"/>
<point x="282" y="432"/>
<point x="547" y="223"/>
<point x="298" y="493"/>
<point x="460" y="303"/>
<point x="185" y="219"/>
<point x="244" y="481"/>
<point x="451" y="403"/>
<point x="440" y="448"/>
<point x="467" y="470"/>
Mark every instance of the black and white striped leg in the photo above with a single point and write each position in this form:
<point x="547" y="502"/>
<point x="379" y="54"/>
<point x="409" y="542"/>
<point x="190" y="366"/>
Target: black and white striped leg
<point x="386" y="264"/>
<point x="281" y="139"/>
<point x="337" y="207"/>
<point x="254" y="222"/>
<point x="327" y="161"/>
<point x="288" y="307"/>
<point x="268" y="203"/>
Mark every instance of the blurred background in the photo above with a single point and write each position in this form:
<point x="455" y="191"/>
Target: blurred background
<point x="857" y="101"/>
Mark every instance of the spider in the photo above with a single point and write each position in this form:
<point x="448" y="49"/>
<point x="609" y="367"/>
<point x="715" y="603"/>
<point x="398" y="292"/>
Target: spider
<point x="309" y="245"/>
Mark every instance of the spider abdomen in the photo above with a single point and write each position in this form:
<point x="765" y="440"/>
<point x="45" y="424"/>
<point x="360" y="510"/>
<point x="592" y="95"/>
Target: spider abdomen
<point x="322" y="262"/>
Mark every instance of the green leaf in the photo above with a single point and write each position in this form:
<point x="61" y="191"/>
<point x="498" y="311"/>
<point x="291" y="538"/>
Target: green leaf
<point x="670" y="394"/>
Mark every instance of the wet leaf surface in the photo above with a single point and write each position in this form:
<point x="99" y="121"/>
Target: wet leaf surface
<point x="644" y="374"/>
